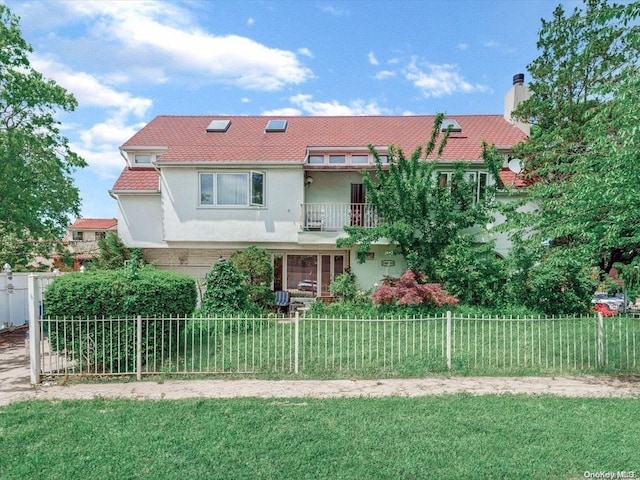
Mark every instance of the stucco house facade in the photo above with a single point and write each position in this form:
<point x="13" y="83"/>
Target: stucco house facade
<point x="197" y="188"/>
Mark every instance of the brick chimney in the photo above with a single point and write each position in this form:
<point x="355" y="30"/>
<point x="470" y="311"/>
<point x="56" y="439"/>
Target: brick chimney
<point x="518" y="93"/>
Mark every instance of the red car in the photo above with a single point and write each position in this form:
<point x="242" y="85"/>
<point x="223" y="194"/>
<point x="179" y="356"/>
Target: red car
<point x="604" y="309"/>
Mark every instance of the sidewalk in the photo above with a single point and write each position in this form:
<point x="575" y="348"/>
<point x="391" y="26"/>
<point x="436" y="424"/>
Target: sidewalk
<point x="15" y="386"/>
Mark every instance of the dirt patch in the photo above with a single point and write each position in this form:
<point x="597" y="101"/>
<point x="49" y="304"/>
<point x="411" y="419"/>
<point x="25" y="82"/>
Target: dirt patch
<point x="15" y="386"/>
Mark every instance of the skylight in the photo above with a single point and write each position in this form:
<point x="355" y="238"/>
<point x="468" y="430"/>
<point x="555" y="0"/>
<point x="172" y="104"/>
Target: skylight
<point x="451" y="125"/>
<point x="219" y="126"/>
<point x="276" y="126"/>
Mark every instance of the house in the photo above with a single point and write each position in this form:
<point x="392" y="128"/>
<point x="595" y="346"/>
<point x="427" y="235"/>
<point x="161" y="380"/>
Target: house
<point x="82" y="238"/>
<point x="199" y="187"/>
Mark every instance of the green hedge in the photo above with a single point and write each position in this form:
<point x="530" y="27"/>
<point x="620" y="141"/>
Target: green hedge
<point x="116" y="294"/>
<point x="121" y="293"/>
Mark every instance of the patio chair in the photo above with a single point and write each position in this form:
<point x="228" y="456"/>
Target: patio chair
<point x="282" y="301"/>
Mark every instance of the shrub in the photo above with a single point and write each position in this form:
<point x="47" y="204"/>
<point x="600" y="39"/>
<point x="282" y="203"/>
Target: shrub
<point x="344" y="287"/>
<point x="410" y="289"/>
<point x="255" y="264"/>
<point x="226" y="292"/>
<point x="115" y="294"/>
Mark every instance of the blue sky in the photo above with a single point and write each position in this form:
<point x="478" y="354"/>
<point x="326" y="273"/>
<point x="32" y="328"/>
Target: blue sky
<point x="129" y="61"/>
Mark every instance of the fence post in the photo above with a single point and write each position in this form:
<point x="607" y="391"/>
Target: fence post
<point x="601" y="360"/>
<point x="449" y="339"/>
<point x="296" y="341"/>
<point x="34" y="328"/>
<point x="139" y="348"/>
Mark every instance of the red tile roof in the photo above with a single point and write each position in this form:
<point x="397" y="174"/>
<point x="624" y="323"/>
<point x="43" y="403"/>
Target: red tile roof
<point x="186" y="139"/>
<point x="510" y="179"/>
<point x="94" y="224"/>
<point x="137" y="179"/>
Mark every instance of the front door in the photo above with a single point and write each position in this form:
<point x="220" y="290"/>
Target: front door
<point x="331" y="267"/>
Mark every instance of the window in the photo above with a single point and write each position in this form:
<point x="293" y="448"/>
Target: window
<point x="218" y="126"/>
<point x="79" y="236"/>
<point x="142" y="158"/>
<point x="232" y="189"/>
<point x="100" y="235"/>
<point x="316" y="159"/>
<point x="384" y="159"/>
<point x="335" y="159"/>
<point x="480" y="179"/>
<point x="360" y="159"/>
<point x="276" y="126"/>
<point x="451" y="125"/>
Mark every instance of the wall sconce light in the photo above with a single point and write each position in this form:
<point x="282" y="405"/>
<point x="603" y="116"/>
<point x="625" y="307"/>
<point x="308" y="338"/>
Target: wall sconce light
<point x="308" y="180"/>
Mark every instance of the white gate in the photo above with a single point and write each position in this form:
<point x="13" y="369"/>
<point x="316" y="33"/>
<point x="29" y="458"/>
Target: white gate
<point x="14" y="297"/>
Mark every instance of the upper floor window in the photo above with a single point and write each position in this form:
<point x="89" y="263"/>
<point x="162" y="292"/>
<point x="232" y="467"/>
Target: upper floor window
<point x="101" y="235"/>
<point x="479" y="179"/>
<point x="142" y="158"/>
<point x="235" y="189"/>
<point x="79" y="236"/>
<point x="342" y="159"/>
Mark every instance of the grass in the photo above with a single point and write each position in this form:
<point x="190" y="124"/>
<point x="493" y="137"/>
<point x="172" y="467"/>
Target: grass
<point x="458" y="436"/>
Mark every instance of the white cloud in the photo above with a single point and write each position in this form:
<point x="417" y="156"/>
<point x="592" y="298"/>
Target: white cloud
<point x="439" y="80"/>
<point x="98" y="144"/>
<point x="372" y="59"/>
<point x="462" y="46"/>
<point x="245" y="100"/>
<point x="305" y="105"/>
<point x="306" y="52"/>
<point x="384" y="74"/>
<point x="163" y="34"/>
<point x="335" y="11"/>
<point x="250" y="21"/>
<point x="89" y="91"/>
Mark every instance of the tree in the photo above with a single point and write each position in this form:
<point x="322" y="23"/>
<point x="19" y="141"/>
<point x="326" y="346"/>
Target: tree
<point x="419" y="214"/>
<point x="113" y="253"/>
<point x="37" y="192"/>
<point x="583" y="156"/>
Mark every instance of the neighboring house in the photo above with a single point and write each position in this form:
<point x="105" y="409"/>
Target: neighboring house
<point x="82" y="240"/>
<point x="199" y="187"/>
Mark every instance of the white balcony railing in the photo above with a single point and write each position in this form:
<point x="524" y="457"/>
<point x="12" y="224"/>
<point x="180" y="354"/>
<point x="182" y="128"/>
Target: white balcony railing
<point x="333" y="217"/>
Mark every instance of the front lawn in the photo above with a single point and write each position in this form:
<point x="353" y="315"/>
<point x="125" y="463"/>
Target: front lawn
<point x="458" y="436"/>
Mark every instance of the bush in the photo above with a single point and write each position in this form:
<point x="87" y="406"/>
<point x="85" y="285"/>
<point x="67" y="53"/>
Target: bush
<point x="410" y="289"/>
<point x="552" y="282"/>
<point x="116" y="294"/>
<point x="226" y="292"/>
<point x="344" y="287"/>
<point x="255" y="264"/>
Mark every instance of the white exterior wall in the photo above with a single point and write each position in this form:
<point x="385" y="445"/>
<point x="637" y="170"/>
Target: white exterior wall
<point x="373" y="271"/>
<point x="140" y="220"/>
<point x="331" y="187"/>
<point x="278" y="221"/>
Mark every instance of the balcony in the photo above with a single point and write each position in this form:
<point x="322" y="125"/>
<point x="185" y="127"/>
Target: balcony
<point x="333" y="217"/>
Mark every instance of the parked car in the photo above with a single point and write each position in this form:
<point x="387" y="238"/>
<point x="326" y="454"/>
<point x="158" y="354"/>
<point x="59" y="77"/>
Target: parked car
<point x="605" y="310"/>
<point x="614" y="302"/>
<point x="308" y="285"/>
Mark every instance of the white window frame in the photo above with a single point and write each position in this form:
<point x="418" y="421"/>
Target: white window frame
<point x="251" y="200"/>
<point x="138" y="159"/>
<point x="476" y="177"/>
<point x="325" y="158"/>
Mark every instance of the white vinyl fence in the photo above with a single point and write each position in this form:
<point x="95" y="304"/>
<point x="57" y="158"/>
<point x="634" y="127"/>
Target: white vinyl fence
<point x="335" y="347"/>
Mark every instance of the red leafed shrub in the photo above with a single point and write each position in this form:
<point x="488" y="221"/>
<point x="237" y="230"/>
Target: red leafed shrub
<point x="409" y="289"/>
